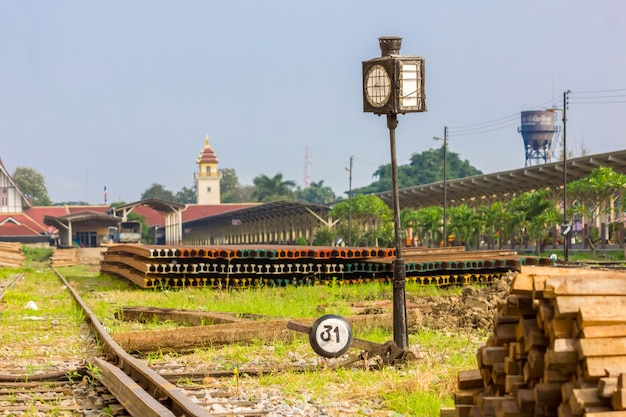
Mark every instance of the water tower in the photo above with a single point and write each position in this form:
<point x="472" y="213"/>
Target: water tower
<point x="540" y="133"/>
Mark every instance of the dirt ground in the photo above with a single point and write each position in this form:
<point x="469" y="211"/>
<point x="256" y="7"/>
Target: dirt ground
<point x="473" y="309"/>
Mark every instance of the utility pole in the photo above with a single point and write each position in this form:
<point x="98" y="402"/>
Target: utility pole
<point x="445" y="183"/>
<point x="350" y="204"/>
<point x="566" y="228"/>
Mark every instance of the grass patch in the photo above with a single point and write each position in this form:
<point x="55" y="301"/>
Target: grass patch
<point x="55" y="329"/>
<point x="419" y="388"/>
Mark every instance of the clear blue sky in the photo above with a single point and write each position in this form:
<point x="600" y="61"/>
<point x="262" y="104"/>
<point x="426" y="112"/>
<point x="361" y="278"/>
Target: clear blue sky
<point x="123" y="93"/>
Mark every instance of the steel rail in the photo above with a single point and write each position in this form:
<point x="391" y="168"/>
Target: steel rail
<point x="10" y="284"/>
<point x="172" y="401"/>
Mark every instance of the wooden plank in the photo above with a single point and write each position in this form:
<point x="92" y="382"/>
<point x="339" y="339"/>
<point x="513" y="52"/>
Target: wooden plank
<point x="566" y="390"/>
<point x="548" y="393"/>
<point x="607" y="386"/>
<point x="505" y="333"/>
<point x="562" y="352"/>
<point x="463" y="410"/>
<point x="533" y="372"/>
<point x="190" y="317"/>
<point x="596" y="367"/>
<point x="607" y="283"/>
<point x="468" y="379"/>
<point x="524" y="327"/>
<point x="519" y="305"/>
<point x="492" y="354"/>
<point x="513" y="382"/>
<point x="465" y="396"/>
<point x="498" y="374"/>
<point x="556" y="375"/>
<point x="618" y="399"/>
<point x="539" y="282"/>
<point x="512" y="366"/>
<point x="501" y="318"/>
<point x="608" y="346"/>
<point x="525" y="399"/>
<point x="564" y="410"/>
<point x="508" y="408"/>
<point x="606" y="414"/>
<point x="488" y="405"/>
<point x="617" y="330"/>
<point x="545" y="315"/>
<point x="559" y="329"/>
<point x="583" y="398"/>
<point x="189" y="338"/>
<point x="569" y="305"/>
<point x="447" y="412"/>
<point x="607" y="311"/>
<point x="534" y="339"/>
<point x="522" y="284"/>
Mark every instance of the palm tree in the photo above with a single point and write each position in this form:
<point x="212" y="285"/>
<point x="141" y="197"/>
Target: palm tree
<point x="429" y="222"/>
<point x="493" y="217"/>
<point x="274" y="188"/>
<point x="462" y="222"/>
<point x="529" y="214"/>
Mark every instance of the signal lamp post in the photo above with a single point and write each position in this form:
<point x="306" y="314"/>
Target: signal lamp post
<point x="394" y="84"/>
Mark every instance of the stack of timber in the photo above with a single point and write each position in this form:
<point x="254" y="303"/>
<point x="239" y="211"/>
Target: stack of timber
<point x="65" y="257"/>
<point x="558" y="349"/>
<point x="11" y="255"/>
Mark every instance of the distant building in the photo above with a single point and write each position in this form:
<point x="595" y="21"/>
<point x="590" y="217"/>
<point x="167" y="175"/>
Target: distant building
<point x="208" y="178"/>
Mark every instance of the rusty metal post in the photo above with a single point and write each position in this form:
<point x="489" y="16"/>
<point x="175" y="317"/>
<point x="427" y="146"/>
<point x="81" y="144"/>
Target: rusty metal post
<point x="400" y="327"/>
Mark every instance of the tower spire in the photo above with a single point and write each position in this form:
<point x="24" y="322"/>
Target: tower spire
<point x="207" y="177"/>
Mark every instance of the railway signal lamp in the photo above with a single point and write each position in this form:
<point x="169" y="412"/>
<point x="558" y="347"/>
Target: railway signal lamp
<point x="394" y="84"/>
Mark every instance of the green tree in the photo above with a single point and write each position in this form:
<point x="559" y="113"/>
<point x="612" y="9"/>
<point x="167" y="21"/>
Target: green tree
<point x="424" y="168"/>
<point x="426" y="223"/>
<point x="530" y="217"/>
<point x="462" y="223"/>
<point x="159" y="192"/>
<point x="33" y="186"/>
<point x="493" y="217"/>
<point x="317" y="193"/>
<point x="229" y="181"/>
<point x="272" y="188"/>
<point x="371" y="221"/>
<point x="324" y="236"/>
<point x="591" y="196"/>
<point x="541" y="216"/>
<point x="186" y="195"/>
<point x="241" y="194"/>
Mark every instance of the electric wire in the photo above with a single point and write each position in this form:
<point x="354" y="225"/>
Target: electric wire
<point x="576" y="97"/>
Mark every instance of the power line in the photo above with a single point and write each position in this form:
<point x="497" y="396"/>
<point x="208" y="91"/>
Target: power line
<point x="492" y="125"/>
<point x="595" y="96"/>
<point x="599" y="91"/>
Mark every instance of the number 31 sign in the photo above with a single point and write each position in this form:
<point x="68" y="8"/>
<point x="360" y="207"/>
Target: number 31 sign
<point x="330" y="336"/>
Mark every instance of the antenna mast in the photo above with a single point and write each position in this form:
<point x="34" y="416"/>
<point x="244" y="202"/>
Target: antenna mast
<point x="307" y="167"/>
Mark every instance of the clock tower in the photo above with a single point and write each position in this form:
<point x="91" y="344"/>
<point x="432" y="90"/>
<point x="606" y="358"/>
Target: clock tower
<point x="207" y="178"/>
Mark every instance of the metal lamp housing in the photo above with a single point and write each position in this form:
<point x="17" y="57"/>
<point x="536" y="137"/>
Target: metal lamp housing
<point x="407" y="85"/>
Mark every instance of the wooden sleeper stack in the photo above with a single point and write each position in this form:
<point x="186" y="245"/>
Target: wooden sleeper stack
<point x="558" y="349"/>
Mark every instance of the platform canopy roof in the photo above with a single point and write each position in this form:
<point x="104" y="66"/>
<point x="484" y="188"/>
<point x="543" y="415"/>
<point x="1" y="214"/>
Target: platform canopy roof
<point x="504" y="185"/>
<point x="86" y="218"/>
<point x="270" y="210"/>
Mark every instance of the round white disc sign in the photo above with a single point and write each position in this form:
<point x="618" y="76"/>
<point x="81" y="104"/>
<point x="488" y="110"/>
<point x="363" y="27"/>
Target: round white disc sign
<point x="330" y="336"/>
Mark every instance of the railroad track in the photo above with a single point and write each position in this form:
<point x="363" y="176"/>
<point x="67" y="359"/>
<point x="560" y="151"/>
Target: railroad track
<point x="108" y="381"/>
